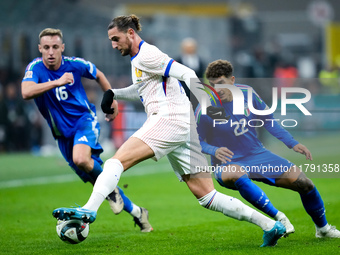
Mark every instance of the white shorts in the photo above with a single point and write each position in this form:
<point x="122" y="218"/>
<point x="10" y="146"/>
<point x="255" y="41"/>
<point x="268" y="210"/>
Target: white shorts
<point x="175" y="139"/>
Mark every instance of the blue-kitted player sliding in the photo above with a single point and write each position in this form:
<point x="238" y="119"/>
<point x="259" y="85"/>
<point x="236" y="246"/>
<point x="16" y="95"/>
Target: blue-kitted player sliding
<point x="242" y="157"/>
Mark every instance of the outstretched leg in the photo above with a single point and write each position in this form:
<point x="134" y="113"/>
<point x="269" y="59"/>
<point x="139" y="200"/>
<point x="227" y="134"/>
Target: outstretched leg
<point x="130" y="153"/>
<point x="202" y="187"/>
<point x="234" y="177"/>
<point x="296" y="180"/>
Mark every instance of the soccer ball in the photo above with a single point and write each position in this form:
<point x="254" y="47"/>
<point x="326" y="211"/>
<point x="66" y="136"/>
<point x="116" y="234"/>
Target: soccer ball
<point x="72" y="231"/>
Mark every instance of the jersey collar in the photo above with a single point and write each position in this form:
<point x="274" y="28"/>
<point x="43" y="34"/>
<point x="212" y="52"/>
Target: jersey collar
<point x="140" y="45"/>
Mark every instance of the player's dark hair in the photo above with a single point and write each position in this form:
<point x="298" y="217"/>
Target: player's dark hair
<point x="51" y="32"/>
<point x="219" y="68"/>
<point x="123" y="23"/>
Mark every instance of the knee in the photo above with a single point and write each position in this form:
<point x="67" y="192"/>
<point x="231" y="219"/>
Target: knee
<point x="230" y="180"/>
<point x="230" y="174"/>
<point x="230" y="183"/>
<point x="304" y="184"/>
<point x="83" y="163"/>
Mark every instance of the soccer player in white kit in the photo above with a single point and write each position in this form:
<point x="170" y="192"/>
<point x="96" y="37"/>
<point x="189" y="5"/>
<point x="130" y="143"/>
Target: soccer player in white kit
<point x="167" y="131"/>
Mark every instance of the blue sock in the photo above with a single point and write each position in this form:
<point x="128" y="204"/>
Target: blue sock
<point x="314" y="206"/>
<point x="95" y="172"/>
<point x="127" y="202"/>
<point x="254" y="195"/>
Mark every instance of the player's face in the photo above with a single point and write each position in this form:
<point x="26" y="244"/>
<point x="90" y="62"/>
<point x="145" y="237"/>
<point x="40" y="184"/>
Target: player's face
<point x="51" y="48"/>
<point x="120" y="41"/>
<point x="224" y="93"/>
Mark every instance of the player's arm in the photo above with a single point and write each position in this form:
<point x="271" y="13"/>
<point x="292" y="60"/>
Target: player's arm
<point x="102" y="80"/>
<point x="276" y="130"/>
<point x="300" y="148"/>
<point x="183" y="73"/>
<point x="31" y="89"/>
<point x="129" y="93"/>
<point x="224" y="154"/>
<point x="221" y="153"/>
<point x="105" y="85"/>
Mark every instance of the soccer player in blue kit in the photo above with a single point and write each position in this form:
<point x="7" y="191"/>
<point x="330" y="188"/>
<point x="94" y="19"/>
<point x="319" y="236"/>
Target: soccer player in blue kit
<point x="242" y="157"/>
<point x="54" y="81"/>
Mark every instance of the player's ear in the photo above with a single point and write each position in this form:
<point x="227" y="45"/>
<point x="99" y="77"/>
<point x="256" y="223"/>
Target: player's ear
<point x="63" y="47"/>
<point x="40" y="48"/>
<point x="131" y="32"/>
<point x="232" y="79"/>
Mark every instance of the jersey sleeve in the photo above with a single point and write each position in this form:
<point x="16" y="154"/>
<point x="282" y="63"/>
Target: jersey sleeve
<point x="202" y="130"/>
<point x="272" y="126"/>
<point x="155" y="61"/>
<point x="31" y="72"/>
<point x="88" y="69"/>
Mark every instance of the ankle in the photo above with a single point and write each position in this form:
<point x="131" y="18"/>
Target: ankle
<point x="324" y="228"/>
<point x="279" y="216"/>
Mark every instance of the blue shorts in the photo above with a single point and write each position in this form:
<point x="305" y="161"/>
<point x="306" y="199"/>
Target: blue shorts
<point x="264" y="167"/>
<point x="84" y="135"/>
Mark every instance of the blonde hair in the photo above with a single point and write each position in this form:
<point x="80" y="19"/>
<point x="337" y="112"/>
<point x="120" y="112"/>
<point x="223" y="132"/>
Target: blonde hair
<point x="51" y="32"/>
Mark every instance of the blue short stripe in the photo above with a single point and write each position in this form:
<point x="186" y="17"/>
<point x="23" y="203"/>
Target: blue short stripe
<point x="167" y="70"/>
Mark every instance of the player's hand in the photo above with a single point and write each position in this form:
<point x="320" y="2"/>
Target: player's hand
<point x="111" y="117"/>
<point x="107" y="102"/>
<point x="224" y="154"/>
<point x="216" y="112"/>
<point x="67" y="78"/>
<point x="300" y="148"/>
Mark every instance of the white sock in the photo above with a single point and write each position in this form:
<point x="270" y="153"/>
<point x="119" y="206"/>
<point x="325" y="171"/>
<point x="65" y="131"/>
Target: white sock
<point x="262" y="221"/>
<point x="106" y="182"/>
<point x="324" y="228"/>
<point x="94" y="202"/>
<point x="136" y="212"/>
<point x="234" y="208"/>
<point x="279" y="216"/>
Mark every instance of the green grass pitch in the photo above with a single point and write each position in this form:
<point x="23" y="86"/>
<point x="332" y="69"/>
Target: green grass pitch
<point x="31" y="187"/>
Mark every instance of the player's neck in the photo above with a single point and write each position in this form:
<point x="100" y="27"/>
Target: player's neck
<point x="135" y="47"/>
<point x="52" y="67"/>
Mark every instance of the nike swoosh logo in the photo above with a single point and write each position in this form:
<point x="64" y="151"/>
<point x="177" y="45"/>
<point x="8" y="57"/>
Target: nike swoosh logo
<point x="217" y="113"/>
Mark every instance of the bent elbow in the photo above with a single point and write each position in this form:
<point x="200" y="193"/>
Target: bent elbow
<point x="26" y="95"/>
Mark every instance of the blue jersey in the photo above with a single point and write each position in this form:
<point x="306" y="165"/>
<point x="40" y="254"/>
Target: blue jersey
<point x="65" y="106"/>
<point x="239" y="135"/>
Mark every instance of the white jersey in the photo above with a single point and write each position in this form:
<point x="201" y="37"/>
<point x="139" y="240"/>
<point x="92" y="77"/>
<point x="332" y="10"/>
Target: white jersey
<point x="160" y="94"/>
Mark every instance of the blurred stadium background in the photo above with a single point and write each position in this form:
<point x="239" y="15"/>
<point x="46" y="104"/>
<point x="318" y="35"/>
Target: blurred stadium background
<point x="265" y="40"/>
<point x="270" y="43"/>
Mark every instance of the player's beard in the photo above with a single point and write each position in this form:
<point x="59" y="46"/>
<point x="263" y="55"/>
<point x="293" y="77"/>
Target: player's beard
<point x="127" y="51"/>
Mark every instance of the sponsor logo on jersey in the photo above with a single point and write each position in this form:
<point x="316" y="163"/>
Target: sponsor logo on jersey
<point x="83" y="139"/>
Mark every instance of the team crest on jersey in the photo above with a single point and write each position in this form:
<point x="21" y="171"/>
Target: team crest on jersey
<point x="28" y="74"/>
<point x="246" y="110"/>
<point x="138" y="73"/>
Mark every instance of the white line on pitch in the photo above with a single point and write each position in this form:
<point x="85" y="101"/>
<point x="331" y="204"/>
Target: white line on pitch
<point x="142" y="170"/>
